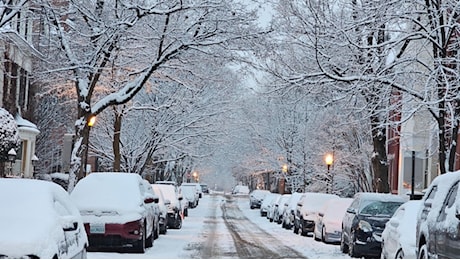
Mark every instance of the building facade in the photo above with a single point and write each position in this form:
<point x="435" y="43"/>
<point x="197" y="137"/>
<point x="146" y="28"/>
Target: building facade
<point x="17" y="91"/>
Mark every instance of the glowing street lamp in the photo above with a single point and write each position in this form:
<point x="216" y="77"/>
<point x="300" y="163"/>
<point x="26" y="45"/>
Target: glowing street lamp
<point x="329" y="159"/>
<point x="195" y="176"/>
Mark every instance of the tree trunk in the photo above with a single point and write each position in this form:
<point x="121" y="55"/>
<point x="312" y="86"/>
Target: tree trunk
<point x="379" y="158"/>
<point x="116" y="141"/>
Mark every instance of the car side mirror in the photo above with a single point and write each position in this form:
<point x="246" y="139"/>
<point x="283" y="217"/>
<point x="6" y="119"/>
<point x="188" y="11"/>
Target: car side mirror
<point x="69" y="224"/>
<point x="351" y="210"/>
<point x="149" y="200"/>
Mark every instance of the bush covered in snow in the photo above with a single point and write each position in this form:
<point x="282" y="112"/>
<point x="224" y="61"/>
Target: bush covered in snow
<point x="9" y="137"/>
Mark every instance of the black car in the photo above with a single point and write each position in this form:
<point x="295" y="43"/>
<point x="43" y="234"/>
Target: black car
<point x="364" y="222"/>
<point x="438" y="221"/>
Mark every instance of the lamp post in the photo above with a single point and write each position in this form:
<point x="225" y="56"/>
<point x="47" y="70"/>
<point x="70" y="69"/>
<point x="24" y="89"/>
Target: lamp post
<point x="329" y="159"/>
<point x="195" y="176"/>
<point x="90" y="123"/>
<point x="11" y="159"/>
<point x="34" y="164"/>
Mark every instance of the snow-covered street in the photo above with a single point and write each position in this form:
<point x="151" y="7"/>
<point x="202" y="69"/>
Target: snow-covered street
<point x="225" y="227"/>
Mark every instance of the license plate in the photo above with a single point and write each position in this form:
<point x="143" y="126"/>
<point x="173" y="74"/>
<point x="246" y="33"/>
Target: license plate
<point x="97" y="228"/>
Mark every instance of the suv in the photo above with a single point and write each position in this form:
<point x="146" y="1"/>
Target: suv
<point x="116" y="210"/>
<point x="438" y="224"/>
<point x="173" y="202"/>
<point x="289" y="210"/>
<point x="364" y="222"/>
<point x="256" y="197"/>
<point x="307" y="207"/>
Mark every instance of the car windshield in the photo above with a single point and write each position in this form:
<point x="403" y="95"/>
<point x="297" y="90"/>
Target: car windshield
<point x="380" y="208"/>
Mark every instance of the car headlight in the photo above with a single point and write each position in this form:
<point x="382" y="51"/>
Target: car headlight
<point x="365" y="226"/>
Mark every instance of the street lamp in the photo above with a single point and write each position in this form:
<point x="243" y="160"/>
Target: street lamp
<point x="11" y="159"/>
<point x="329" y="159"/>
<point x="195" y="176"/>
<point x="90" y="123"/>
<point x="34" y="163"/>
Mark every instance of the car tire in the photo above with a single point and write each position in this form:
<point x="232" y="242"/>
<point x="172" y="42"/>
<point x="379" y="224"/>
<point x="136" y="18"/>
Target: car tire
<point x="423" y="252"/>
<point x="157" y="231"/>
<point x="178" y="224"/>
<point x="139" y="245"/>
<point x="323" y="234"/>
<point x="351" y="246"/>
<point x="399" y="254"/>
<point x="149" y="241"/>
<point x="343" y="245"/>
<point x="163" y="229"/>
<point x="296" y="228"/>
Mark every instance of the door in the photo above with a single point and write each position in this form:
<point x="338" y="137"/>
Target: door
<point x="447" y="235"/>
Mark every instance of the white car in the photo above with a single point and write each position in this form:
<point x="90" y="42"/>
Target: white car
<point x="328" y="223"/>
<point x="163" y="210"/>
<point x="195" y="185"/>
<point x="267" y="204"/>
<point x="307" y="207"/>
<point x="38" y="220"/>
<point x="190" y="193"/>
<point x="398" y="237"/>
<point x="173" y="203"/>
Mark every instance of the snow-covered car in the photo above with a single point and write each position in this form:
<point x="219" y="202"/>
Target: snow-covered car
<point x="39" y="220"/>
<point x="398" y="237"/>
<point x="289" y="210"/>
<point x="267" y="204"/>
<point x="190" y="193"/>
<point x="163" y="209"/>
<point x="173" y="201"/>
<point x="197" y="187"/>
<point x="115" y="210"/>
<point x="307" y="207"/>
<point x="364" y="221"/>
<point x="204" y="187"/>
<point x="438" y="220"/>
<point x="328" y="223"/>
<point x="279" y="206"/>
<point x="240" y="190"/>
<point x="256" y="197"/>
<point x="154" y="208"/>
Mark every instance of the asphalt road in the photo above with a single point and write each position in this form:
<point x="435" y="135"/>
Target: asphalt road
<point x="226" y="225"/>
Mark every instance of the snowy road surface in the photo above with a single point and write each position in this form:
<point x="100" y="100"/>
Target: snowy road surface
<point x="225" y="227"/>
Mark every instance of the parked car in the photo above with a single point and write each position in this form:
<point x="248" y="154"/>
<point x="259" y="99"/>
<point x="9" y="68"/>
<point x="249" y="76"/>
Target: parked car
<point x="163" y="210"/>
<point x="240" y="190"/>
<point x="256" y="197"/>
<point x="267" y="204"/>
<point x="115" y="208"/>
<point x="328" y="223"/>
<point x="173" y="202"/>
<point x="39" y="220"/>
<point x="398" y="237"/>
<point x="289" y="210"/>
<point x="364" y="221"/>
<point x="204" y="187"/>
<point x="279" y="208"/>
<point x="154" y="208"/>
<point x="191" y="194"/>
<point x="197" y="188"/>
<point x="307" y="207"/>
<point x="438" y="224"/>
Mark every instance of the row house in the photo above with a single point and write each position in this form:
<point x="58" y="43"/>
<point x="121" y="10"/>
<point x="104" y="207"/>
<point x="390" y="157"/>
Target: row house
<point x="17" y="91"/>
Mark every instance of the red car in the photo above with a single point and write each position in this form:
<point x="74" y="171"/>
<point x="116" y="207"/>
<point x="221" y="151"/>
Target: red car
<point x="116" y="211"/>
